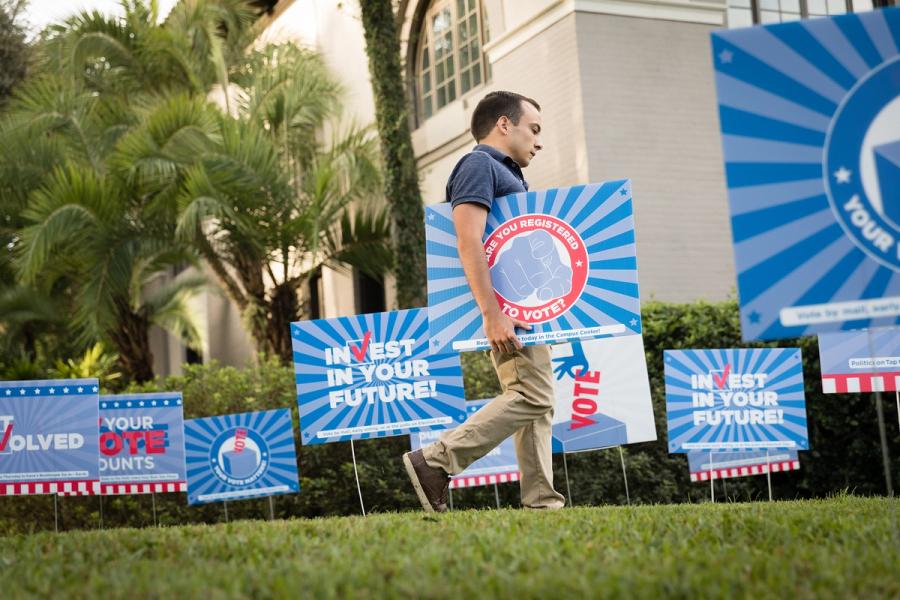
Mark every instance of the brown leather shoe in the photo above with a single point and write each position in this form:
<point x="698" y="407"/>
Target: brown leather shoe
<point x="432" y="484"/>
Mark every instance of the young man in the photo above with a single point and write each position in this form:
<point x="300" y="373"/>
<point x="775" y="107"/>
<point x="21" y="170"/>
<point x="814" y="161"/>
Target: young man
<point x="507" y="127"/>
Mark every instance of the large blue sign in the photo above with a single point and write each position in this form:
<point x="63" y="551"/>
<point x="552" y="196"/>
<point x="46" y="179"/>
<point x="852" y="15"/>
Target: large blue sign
<point x="721" y="465"/>
<point x="141" y="442"/>
<point x="48" y="436"/>
<point x="860" y="361"/>
<point x="373" y="376"/>
<point x="562" y="260"/>
<point x="735" y="399"/>
<point x="809" y="114"/>
<point x="235" y="457"/>
<point x="500" y="465"/>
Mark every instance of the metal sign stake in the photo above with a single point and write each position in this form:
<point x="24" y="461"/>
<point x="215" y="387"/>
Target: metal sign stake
<point x="882" y="432"/>
<point x="624" y="475"/>
<point x="356" y="474"/>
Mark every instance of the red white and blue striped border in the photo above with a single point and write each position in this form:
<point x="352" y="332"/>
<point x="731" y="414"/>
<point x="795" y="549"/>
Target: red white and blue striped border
<point x="113" y="489"/>
<point x="746" y="471"/>
<point x="860" y="382"/>
<point x="122" y="489"/>
<point x="476" y="480"/>
<point x="35" y="488"/>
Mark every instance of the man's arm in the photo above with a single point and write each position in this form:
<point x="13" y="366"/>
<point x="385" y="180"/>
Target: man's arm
<point x="470" y="219"/>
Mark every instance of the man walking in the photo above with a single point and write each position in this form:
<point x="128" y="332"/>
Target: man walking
<point x="507" y="128"/>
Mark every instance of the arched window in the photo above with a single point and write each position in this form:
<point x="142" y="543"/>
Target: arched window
<point x="450" y="60"/>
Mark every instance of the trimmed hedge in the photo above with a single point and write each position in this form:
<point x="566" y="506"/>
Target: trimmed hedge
<point x="843" y="434"/>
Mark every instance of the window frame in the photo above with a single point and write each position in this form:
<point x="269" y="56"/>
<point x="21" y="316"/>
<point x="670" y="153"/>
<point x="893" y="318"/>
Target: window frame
<point x="425" y="48"/>
<point x="756" y="11"/>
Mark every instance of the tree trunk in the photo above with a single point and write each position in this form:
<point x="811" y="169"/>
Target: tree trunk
<point x="401" y="177"/>
<point x="132" y="341"/>
<point x="284" y="310"/>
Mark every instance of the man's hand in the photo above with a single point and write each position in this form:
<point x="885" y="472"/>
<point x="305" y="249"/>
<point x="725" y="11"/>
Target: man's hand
<point x="501" y="332"/>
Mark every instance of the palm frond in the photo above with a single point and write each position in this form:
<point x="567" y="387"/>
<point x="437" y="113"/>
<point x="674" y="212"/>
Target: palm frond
<point x="364" y="242"/>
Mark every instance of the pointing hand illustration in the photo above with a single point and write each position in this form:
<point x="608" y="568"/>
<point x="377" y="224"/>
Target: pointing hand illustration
<point x="531" y="265"/>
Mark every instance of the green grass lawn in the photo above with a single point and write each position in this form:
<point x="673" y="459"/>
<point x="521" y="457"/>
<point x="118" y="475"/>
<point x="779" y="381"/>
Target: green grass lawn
<point x="841" y="547"/>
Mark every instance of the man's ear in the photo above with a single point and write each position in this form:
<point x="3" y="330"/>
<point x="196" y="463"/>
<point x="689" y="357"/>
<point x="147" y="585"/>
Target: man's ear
<point x="503" y="124"/>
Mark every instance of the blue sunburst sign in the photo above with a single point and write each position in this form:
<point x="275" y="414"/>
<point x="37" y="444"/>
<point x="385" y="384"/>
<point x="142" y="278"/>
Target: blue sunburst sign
<point x="735" y="399"/>
<point x="497" y="466"/>
<point x="235" y="457"/>
<point x="141" y="443"/>
<point x="562" y="260"/>
<point x="860" y="361"/>
<point x="809" y="112"/>
<point x="372" y="376"/>
<point x="49" y="436"/>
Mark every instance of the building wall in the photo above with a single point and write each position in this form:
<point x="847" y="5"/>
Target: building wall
<point x="650" y="115"/>
<point x="546" y="68"/>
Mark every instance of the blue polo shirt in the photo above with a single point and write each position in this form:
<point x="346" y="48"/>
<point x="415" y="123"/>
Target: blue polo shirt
<point x="483" y="174"/>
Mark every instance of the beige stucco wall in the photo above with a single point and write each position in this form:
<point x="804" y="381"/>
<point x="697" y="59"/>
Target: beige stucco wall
<point x="650" y="115"/>
<point x="546" y="68"/>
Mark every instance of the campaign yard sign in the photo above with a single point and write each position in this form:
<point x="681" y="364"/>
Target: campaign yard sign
<point x="735" y="399"/>
<point x="860" y="361"/>
<point x="48" y="436"/>
<point x="372" y="376"/>
<point x="809" y="113"/>
<point x="235" y="457"/>
<point x="562" y="260"/>
<point x="142" y="443"/>
<point x="722" y="465"/>
<point x="497" y="466"/>
<point x="602" y="394"/>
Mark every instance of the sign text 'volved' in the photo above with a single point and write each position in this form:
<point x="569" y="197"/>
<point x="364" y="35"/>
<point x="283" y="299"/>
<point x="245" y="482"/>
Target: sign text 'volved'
<point x="735" y="399"/>
<point x="48" y="436"/>
<point x="860" y="361"/>
<point x="602" y="394"/>
<point x="373" y="376"/>
<point x="809" y="113"/>
<point x="497" y="466"/>
<point x="722" y="465"/>
<point x="141" y="442"/>
<point x="562" y="260"/>
<point x="235" y="457"/>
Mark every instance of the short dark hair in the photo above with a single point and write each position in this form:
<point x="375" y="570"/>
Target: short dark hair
<point x="496" y="105"/>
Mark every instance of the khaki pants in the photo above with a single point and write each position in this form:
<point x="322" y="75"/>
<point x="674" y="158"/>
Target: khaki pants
<point x="524" y="410"/>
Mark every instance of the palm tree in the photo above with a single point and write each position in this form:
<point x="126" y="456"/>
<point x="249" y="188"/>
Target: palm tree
<point x="92" y="222"/>
<point x="270" y="204"/>
<point x="84" y="231"/>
